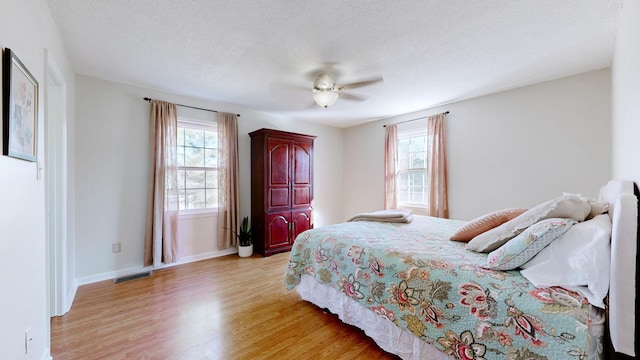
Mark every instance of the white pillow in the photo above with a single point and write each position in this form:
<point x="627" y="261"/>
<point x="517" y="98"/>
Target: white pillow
<point x="578" y="260"/>
<point x="597" y="207"/>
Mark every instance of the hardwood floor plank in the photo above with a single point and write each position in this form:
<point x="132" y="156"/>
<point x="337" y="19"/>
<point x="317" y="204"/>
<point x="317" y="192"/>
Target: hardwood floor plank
<point x="222" y="308"/>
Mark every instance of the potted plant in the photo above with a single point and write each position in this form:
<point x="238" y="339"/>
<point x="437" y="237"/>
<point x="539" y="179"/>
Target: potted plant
<point x="245" y="246"/>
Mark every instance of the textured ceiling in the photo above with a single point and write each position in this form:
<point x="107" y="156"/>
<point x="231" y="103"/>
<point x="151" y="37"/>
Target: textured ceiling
<point x="260" y="54"/>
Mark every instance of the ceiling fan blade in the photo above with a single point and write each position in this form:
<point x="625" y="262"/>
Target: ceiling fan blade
<point x="285" y="94"/>
<point x="352" y="97"/>
<point x="290" y="88"/>
<point x="362" y="83"/>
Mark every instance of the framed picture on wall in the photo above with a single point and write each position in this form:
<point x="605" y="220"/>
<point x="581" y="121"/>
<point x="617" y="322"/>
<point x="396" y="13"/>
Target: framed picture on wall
<point x="19" y="109"/>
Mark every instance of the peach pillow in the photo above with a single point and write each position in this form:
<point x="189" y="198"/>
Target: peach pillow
<point x="485" y="222"/>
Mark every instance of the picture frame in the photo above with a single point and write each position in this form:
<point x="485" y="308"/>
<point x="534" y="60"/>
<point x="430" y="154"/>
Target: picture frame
<point x="19" y="109"/>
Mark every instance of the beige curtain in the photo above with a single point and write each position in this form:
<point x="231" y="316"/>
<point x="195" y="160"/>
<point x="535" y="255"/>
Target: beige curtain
<point x="228" y="187"/>
<point x="160" y="243"/>
<point x="390" y="163"/>
<point x="437" y="202"/>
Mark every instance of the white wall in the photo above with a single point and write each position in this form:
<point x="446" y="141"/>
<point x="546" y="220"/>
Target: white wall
<point x="626" y="94"/>
<point x="113" y="160"/>
<point x="111" y="175"/>
<point x="27" y="29"/>
<point x="512" y="149"/>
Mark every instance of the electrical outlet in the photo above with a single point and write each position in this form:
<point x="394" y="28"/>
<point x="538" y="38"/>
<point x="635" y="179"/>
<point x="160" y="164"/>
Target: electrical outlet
<point x="27" y="340"/>
<point x="115" y="247"/>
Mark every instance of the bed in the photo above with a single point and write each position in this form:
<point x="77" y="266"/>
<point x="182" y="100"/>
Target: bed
<point x="419" y="295"/>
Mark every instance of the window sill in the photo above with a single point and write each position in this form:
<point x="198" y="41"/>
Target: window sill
<point x="194" y="214"/>
<point x="416" y="209"/>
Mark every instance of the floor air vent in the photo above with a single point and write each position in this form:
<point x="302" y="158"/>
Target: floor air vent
<point x="132" y="277"/>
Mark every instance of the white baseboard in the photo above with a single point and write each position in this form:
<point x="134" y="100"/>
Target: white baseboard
<point x="138" y="269"/>
<point x="68" y="300"/>
<point x="46" y="355"/>
<point x="203" y="256"/>
<point x="111" y="275"/>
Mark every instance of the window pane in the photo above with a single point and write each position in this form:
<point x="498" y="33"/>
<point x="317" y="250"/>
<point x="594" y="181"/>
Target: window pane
<point x="403" y="187"/>
<point x="211" y="180"/>
<point x="180" y="139"/>
<point x="211" y="139"/>
<point x="195" y="199"/>
<point x="193" y="137"/>
<point x="417" y="194"/>
<point x="417" y="160"/>
<point x="403" y="154"/>
<point x="210" y="158"/>
<point x="403" y="179"/>
<point x="212" y="198"/>
<point x="403" y="145"/>
<point x="417" y="178"/>
<point x="418" y="144"/>
<point x="193" y="156"/>
<point x="414" y="187"/>
<point x="403" y="160"/>
<point x="181" y="203"/>
<point x="180" y="158"/>
<point x="181" y="179"/>
<point x="195" y="179"/>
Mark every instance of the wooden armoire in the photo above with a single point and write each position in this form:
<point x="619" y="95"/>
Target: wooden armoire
<point x="281" y="188"/>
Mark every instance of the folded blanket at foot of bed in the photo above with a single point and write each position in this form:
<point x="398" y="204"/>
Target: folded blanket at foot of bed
<point x="390" y="215"/>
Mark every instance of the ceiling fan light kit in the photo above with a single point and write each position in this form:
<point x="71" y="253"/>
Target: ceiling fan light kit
<point x="325" y="98"/>
<point x="326" y="92"/>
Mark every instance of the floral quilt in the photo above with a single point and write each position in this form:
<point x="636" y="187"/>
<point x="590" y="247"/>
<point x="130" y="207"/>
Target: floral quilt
<point x="412" y="275"/>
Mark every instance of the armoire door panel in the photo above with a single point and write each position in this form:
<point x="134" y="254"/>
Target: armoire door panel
<point x="278" y="197"/>
<point x="277" y="230"/>
<point x="301" y="164"/>
<point x="301" y="196"/>
<point x="301" y="221"/>
<point x="278" y="162"/>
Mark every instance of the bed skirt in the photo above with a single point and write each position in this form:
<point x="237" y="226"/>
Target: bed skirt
<point x="387" y="335"/>
<point x="401" y="342"/>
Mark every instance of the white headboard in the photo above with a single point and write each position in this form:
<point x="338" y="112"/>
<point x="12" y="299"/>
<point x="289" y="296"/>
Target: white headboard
<point x="623" y="210"/>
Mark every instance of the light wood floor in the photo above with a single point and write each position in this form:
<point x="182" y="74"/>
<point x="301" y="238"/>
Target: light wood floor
<point x="222" y="308"/>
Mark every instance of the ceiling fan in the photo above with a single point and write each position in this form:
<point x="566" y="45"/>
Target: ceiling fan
<point x="326" y="91"/>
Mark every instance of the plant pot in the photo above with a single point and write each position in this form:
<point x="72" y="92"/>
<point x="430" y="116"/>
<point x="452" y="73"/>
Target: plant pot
<point x="245" y="251"/>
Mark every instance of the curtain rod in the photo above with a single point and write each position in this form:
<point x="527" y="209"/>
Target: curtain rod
<point x="191" y="107"/>
<point x="420" y="118"/>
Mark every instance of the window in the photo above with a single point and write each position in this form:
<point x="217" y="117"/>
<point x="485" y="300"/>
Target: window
<point x="412" y="168"/>
<point x="197" y="166"/>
